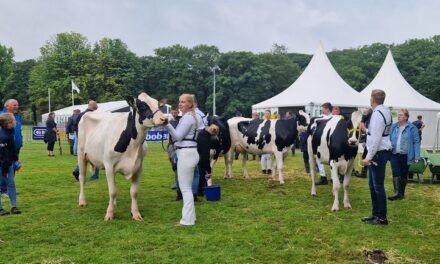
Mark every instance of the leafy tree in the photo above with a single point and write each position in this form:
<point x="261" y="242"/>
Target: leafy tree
<point x="17" y="84"/>
<point x="6" y="60"/>
<point x="116" y="72"/>
<point x="66" y="57"/>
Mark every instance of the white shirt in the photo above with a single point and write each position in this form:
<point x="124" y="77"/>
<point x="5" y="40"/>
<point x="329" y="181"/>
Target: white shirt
<point x="375" y="141"/>
<point x="204" y="124"/>
<point x="183" y="134"/>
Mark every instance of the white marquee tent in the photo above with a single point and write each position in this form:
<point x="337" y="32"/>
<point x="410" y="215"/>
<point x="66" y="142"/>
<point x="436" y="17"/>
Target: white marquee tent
<point x="62" y="115"/>
<point x="400" y="94"/>
<point x="319" y="83"/>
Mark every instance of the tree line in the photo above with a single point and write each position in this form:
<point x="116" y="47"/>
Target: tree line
<point x="107" y="70"/>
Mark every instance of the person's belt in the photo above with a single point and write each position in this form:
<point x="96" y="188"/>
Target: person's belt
<point x="385" y="150"/>
<point x="177" y="147"/>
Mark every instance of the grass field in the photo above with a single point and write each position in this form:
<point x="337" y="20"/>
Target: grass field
<point x="256" y="221"/>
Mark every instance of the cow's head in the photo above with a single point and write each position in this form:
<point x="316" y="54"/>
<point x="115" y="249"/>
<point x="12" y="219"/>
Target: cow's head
<point x="148" y="109"/>
<point x="303" y="120"/>
<point x="354" y="130"/>
<point x="223" y="131"/>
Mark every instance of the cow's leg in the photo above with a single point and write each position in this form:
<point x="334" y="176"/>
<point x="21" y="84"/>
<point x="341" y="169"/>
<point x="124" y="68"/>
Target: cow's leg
<point x="228" y="163"/>
<point x="312" y="161"/>
<point x="347" y="179"/>
<point x="82" y="163"/>
<point x="243" y="165"/>
<point x="136" y="215"/>
<point x="278" y="163"/>
<point x="336" y="185"/>
<point x="111" y="192"/>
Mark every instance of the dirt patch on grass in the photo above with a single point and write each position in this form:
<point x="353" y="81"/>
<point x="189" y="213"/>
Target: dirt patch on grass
<point x="375" y="256"/>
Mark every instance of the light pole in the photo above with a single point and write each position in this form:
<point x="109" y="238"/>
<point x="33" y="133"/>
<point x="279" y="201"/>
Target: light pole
<point x="213" y="69"/>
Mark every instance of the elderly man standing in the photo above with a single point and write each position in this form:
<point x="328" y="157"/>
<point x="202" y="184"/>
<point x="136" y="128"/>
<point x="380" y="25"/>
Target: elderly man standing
<point x="12" y="106"/>
<point x="379" y="152"/>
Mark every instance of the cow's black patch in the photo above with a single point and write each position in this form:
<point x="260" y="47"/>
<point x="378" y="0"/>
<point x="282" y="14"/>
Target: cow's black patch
<point x="250" y="130"/>
<point x="128" y="133"/>
<point x="286" y="132"/>
<point x="317" y="133"/>
<point x="144" y="111"/>
<point x="224" y="137"/>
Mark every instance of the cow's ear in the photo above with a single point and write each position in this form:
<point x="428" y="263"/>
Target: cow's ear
<point x="130" y="100"/>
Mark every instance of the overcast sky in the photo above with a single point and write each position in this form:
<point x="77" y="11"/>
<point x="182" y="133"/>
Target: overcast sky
<point x="231" y="25"/>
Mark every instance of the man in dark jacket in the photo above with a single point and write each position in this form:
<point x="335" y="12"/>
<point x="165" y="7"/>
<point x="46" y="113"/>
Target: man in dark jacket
<point x="70" y="130"/>
<point x="92" y="106"/>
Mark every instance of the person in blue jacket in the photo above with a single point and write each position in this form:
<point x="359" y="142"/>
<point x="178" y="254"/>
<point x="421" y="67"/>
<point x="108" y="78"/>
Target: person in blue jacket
<point x="12" y="106"/>
<point x="405" y="140"/>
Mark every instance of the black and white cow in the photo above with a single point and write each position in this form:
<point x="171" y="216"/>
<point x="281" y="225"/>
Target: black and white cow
<point x="334" y="141"/>
<point x="263" y="137"/>
<point x="116" y="142"/>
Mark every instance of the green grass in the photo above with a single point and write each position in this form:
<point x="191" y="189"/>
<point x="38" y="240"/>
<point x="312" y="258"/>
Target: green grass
<point x="256" y="221"/>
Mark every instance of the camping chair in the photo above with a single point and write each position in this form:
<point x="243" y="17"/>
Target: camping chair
<point x="419" y="167"/>
<point x="434" y="165"/>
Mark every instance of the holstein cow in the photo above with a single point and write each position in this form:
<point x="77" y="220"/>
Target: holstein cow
<point x="116" y="142"/>
<point x="332" y="141"/>
<point x="263" y="137"/>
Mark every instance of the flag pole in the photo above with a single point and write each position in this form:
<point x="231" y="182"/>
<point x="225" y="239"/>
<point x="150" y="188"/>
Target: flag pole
<point x="48" y="90"/>
<point x="71" y="88"/>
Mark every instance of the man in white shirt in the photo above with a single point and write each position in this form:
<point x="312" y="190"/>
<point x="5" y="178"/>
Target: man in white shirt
<point x="327" y="109"/>
<point x="379" y="151"/>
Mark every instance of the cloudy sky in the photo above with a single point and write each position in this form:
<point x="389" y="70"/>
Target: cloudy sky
<point x="231" y="25"/>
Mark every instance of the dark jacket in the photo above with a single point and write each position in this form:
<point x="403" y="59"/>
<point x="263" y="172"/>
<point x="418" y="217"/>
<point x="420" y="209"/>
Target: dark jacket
<point x="70" y="126"/>
<point x="75" y="124"/>
<point x="50" y="135"/>
<point x="8" y="154"/>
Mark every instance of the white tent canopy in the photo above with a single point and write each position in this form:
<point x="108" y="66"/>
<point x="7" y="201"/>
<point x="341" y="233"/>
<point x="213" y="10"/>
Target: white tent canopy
<point x="62" y="115"/>
<point x="400" y="94"/>
<point x="319" y="83"/>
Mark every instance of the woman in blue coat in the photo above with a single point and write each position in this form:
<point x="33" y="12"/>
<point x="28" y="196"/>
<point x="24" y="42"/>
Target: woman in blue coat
<point x="405" y="140"/>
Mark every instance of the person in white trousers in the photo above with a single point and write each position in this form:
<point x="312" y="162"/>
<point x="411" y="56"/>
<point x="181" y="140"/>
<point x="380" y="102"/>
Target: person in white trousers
<point x="185" y="135"/>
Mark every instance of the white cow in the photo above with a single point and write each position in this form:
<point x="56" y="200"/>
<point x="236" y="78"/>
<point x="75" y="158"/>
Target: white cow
<point x="334" y="142"/>
<point x="116" y="142"/>
<point x="262" y="137"/>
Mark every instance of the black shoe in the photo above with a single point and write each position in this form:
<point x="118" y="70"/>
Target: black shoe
<point x="15" y="210"/>
<point x="269" y="171"/>
<point x="322" y="181"/>
<point x="395" y="197"/>
<point x="3" y="212"/>
<point x="76" y="175"/>
<point x="264" y="171"/>
<point x="197" y="199"/>
<point x="368" y="218"/>
<point x="377" y="221"/>
<point x="179" y="196"/>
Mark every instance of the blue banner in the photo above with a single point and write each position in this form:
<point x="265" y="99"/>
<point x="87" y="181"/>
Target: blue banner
<point x="157" y="135"/>
<point x="38" y="133"/>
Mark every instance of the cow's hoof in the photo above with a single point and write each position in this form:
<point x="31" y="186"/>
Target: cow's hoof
<point x="335" y="209"/>
<point x="281" y="182"/>
<point x="348" y="206"/>
<point x="82" y="205"/>
<point x="313" y="194"/>
<point x="137" y="216"/>
<point x="108" y="217"/>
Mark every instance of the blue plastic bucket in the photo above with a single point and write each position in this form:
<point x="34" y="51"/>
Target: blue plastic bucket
<point x="213" y="192"/>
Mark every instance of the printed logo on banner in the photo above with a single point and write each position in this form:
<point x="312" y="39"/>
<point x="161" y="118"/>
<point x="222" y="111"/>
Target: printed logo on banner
<point x="157" y="135"/>
<point x="38" y="133"/>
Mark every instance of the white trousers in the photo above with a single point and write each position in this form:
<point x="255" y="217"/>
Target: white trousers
<point x="320" y="168"/>
<point x="266" y="161"/>
<point x="187" y="162"/>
